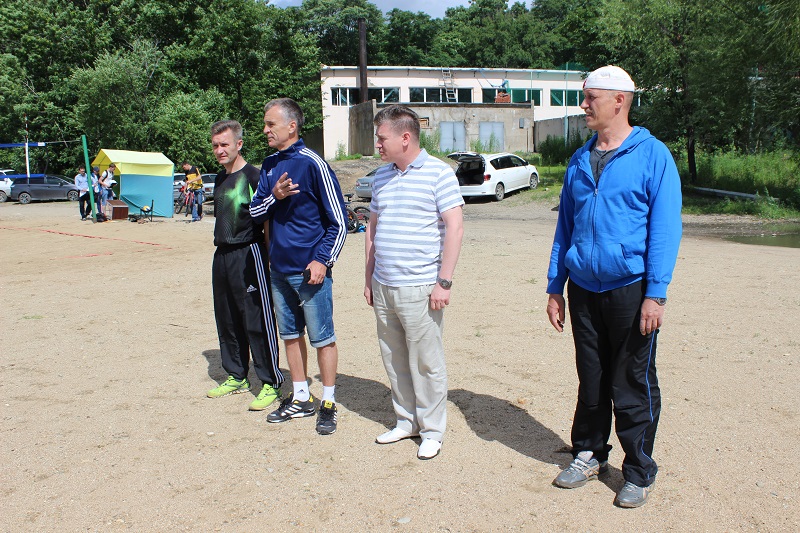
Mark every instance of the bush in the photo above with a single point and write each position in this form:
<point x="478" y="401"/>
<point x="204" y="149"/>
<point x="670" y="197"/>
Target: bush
<point x="342" y="155"/>
<point x="430" y="142"/>
<point x="555" y="152"/>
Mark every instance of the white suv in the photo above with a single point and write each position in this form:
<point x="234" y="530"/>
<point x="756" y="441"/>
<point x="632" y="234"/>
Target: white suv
<point x="493" y="174"/>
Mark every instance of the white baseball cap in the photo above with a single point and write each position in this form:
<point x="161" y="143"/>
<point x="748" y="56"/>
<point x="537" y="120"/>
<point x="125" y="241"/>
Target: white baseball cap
<point x="611" y="78"/>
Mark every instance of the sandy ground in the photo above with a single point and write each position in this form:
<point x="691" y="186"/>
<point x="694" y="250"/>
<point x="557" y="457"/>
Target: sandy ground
<point x="110" y="346"/>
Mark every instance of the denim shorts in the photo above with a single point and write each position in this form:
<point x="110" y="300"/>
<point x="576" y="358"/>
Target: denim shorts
<point x="300" y="306"/>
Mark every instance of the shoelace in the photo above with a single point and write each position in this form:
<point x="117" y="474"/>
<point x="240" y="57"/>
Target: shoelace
<point x="578" y="465"/>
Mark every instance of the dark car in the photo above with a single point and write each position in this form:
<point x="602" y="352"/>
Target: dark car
<point x="24" y="189"/>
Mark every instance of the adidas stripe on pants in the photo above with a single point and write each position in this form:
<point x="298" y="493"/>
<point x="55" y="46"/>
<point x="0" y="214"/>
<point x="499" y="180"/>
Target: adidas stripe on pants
<point x="244" y="313"/>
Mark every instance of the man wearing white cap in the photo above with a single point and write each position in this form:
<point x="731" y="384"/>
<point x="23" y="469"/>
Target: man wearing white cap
<point x="615" y="247"/>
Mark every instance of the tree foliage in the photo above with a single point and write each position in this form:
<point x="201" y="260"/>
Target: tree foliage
<point x="154" y="74"/>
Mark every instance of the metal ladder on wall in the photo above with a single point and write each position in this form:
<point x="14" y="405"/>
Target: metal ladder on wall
<point x="449" y="86"/>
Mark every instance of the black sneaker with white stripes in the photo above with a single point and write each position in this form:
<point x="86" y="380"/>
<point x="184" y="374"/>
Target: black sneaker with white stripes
<point x="326" y="419"/>
<point x="291" y="408"/>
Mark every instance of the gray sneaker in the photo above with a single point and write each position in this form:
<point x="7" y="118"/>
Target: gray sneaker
<point x="580" y="472"/>
<point x="631" y="495"/>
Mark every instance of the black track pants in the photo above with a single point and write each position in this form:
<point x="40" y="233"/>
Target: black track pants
<point x="616" y="367"/>
<point x="243" y="309"/>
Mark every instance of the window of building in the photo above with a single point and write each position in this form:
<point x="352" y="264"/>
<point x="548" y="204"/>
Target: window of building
<point x="573" y="97"/>
<point x="344" y="96"/>
<point x="438" y="95"/>
<point x="518" y="96"/>
<point x="464" y="95"/>
<point x="384" y="95"/>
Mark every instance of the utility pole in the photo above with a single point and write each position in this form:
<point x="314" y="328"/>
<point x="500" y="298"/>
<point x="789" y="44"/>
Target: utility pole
<point x="362" y="61"/>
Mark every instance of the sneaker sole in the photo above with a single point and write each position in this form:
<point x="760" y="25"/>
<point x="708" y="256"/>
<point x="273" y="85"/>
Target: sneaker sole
<point x="630" y="505"/>
<point x="301" y="414"/>
<point x="237" y="391"/>
<point x="563" y="485"/>
<point x="326" y="432"/>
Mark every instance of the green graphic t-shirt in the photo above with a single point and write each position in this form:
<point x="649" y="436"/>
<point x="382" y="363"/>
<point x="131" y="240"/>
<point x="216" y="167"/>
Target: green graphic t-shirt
<point x="232" y="194"/>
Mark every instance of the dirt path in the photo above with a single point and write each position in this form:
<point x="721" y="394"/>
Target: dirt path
<point x="110" y="346"/>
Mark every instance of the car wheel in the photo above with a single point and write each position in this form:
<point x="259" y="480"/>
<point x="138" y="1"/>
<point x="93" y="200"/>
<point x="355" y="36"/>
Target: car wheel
<point x="72" y="196"/>
<point x="534" y="180"/>
<point x="24" y="198"/>
<point x="499" y="192"/>
<point x="3" y="196"/>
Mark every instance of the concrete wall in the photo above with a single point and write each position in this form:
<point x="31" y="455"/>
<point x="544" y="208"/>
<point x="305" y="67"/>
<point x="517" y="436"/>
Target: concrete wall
<point x="361" y="138"/>
<point x="471" y="115"/>
<point x="555" y="128"/>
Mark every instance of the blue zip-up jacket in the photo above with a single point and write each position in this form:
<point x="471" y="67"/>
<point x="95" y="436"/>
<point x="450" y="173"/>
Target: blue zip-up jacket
<point x="624" y="228"/>
<point x="311" y="225"/>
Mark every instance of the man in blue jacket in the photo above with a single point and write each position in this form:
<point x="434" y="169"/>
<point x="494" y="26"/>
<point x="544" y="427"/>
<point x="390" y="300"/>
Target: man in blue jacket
<point x="615" y="247"/>
<point x="300" y="196"/>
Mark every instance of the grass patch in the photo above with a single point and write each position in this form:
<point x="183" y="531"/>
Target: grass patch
<point x="771" y="174"/>
<point x="763" y="207"/>
<point x="342" y="155"/>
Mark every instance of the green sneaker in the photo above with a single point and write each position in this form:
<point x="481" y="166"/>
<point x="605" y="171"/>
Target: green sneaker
<point x="265" y="398"/>
<point x="231" y="386"/>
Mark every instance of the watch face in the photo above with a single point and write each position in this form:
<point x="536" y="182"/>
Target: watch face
<point x="446" y="284"/>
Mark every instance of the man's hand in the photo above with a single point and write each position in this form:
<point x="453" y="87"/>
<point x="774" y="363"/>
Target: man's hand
<point x="368" y="295"/>
<point x="284" y="187"/>
<point x="440" y="297"/>
<point x="318" y="272"/>
<point x="652" y="316"/>
<point x="556" y="311"/>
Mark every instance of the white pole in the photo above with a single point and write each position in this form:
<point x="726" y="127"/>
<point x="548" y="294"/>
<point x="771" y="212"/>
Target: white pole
<point x="27" y="160"/>
<point x="566" y="101"/>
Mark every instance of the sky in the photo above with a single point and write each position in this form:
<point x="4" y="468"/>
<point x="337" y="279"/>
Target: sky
<point x="435" y="8"/>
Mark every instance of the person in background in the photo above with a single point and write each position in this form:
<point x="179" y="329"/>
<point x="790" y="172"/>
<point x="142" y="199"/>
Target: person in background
<point x="616" y="244"/>
<point x="194" y="183"/>
<point x="95" y="179"/>
<point x="82" y="183"/>
<point x="107" y="181"/>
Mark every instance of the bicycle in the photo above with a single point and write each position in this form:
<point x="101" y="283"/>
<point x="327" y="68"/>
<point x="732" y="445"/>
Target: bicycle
<point x="185" y="200"/>
<point x="356" y="216"/>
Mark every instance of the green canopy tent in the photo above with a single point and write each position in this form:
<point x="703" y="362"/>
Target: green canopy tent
<point x="144" y="178"/>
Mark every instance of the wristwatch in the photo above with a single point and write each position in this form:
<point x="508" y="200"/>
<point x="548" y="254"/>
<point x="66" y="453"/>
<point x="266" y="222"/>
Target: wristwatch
<point x="445" y="283"/>
<point x="659" y="301"/>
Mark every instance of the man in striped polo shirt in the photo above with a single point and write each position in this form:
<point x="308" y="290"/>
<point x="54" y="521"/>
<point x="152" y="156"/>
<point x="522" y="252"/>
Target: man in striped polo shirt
<point x="412" y="244"/>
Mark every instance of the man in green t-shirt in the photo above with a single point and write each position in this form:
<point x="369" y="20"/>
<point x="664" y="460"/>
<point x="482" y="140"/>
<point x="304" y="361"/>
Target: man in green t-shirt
<point x="240" y="276"/>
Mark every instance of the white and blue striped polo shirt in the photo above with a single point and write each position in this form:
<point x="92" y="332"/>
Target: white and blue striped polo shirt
<point x="409" y="237"/>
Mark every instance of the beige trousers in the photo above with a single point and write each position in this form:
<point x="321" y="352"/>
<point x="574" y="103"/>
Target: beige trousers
<point x="410" y="338"/>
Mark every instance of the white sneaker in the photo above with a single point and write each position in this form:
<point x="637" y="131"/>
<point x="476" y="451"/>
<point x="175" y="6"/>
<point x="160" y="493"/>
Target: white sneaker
<point x="429" y="449"/>
<point x="393" y="436"/>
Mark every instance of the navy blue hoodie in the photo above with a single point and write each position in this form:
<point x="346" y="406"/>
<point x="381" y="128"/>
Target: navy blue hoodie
<point x="311" y="225"/>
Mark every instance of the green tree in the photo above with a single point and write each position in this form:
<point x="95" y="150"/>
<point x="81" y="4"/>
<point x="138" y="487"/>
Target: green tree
<point x="409" y="38"/>
<point x="488" y="34"/>
<point x="118" y="97"/>
<point x="182" y="124"/>
<point x="334" y="24"/>
<point x="693" y="64"/>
